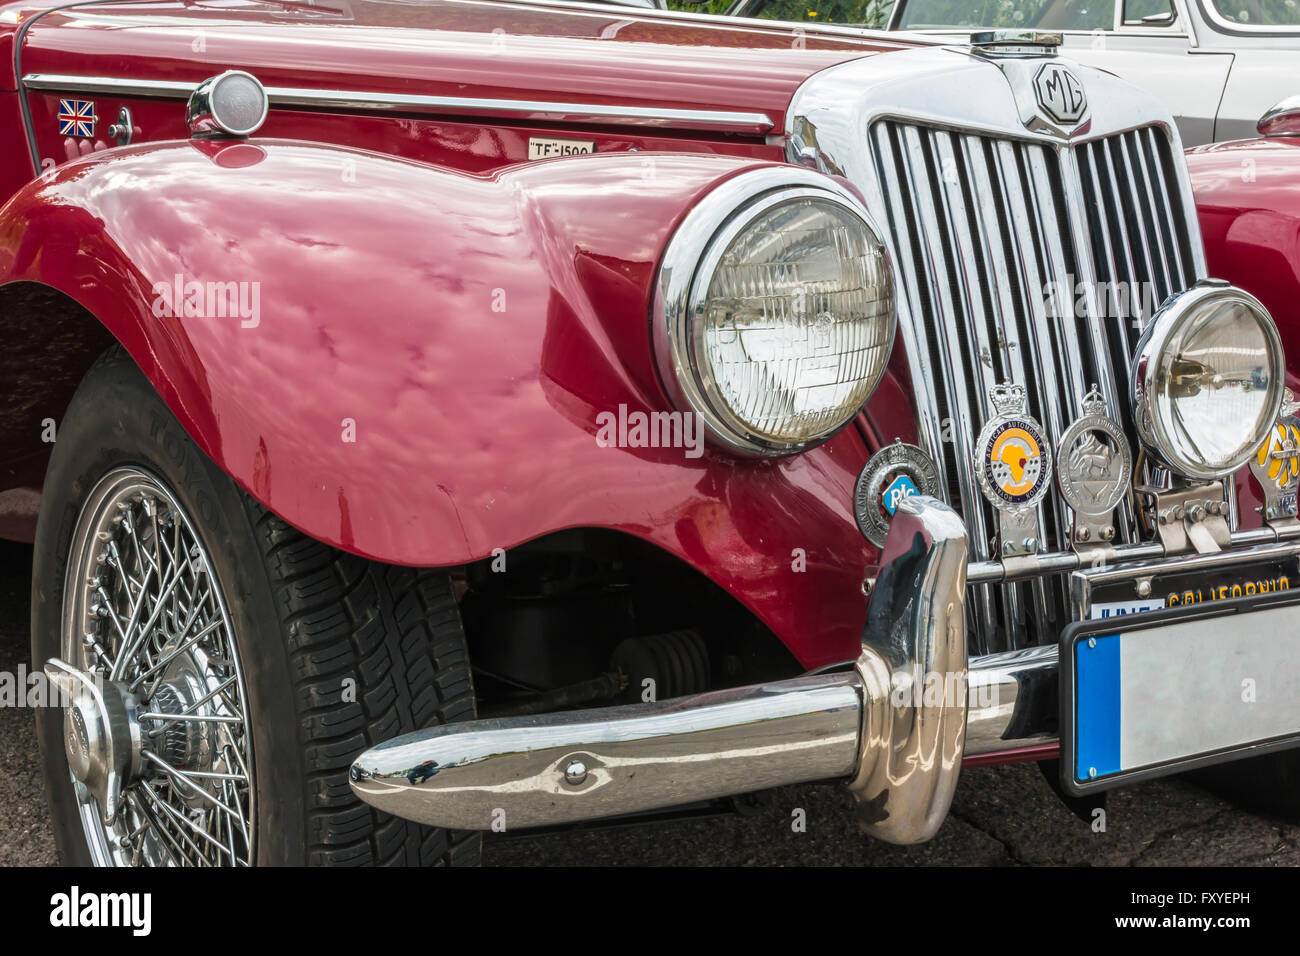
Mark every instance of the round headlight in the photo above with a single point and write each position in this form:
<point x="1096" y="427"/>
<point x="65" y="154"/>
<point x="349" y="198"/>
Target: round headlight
<point x="775" y="314"/>
<point x="1209" y="376"/>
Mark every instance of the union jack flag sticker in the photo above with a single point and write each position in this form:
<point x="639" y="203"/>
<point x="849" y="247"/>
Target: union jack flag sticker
<point x="77" y="117"/>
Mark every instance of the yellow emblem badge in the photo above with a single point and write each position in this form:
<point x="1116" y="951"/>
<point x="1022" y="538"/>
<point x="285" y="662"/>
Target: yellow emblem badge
<point x="1276" y="466"/>
<point x="1279" y="456"/>
<point x="1016" y="461"/>
<point x="1013" y="461"/>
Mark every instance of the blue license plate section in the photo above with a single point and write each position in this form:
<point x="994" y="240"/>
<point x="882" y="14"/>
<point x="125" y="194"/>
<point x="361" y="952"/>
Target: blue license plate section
<point x="1168" y="691"/>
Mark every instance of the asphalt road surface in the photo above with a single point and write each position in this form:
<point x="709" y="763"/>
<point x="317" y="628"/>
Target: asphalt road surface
<point x="1001" y="816"/>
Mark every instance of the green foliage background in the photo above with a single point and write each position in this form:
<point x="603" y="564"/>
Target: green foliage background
<point x="713" y="6"/>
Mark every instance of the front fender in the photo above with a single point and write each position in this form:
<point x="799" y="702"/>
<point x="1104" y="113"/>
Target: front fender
<point x="416" y="357"/>
<point x="1248" y="202"/>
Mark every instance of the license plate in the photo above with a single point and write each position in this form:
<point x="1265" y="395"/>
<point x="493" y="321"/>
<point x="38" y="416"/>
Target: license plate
<point x="1176" y="689"/>
<point x="1187" y="589"/>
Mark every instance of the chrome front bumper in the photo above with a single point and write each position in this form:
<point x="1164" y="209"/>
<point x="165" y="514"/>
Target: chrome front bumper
<point x="896" y="726"/>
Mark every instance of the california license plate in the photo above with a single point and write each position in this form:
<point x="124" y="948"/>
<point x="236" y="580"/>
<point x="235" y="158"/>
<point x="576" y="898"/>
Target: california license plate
<point x="1176" y="689"/>
<point x="1184" y="589"/>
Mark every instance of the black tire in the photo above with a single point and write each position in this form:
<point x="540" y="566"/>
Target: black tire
<point x="306" y="618"/>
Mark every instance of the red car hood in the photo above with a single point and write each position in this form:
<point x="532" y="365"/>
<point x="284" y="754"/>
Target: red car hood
<point x="446" y="47"/>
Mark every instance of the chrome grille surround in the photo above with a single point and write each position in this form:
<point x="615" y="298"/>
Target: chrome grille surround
<point x="983" y="215"/>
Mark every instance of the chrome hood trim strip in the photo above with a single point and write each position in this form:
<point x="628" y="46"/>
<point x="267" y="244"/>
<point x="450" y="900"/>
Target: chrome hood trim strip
<point x="359" y="101"/>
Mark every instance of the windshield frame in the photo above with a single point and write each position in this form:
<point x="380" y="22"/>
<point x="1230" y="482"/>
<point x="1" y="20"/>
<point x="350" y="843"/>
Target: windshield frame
<point x="1221" y="24"/>
<point x="895" y="15"/>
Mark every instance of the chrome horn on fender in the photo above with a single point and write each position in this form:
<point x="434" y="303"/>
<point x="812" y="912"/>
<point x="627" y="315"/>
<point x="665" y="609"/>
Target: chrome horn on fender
<point x="893" y="726"/>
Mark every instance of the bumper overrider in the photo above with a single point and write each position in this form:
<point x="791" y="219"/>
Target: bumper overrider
<point x="896" y="725"/>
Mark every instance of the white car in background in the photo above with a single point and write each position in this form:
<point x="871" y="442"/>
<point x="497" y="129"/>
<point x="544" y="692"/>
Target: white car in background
<point x="1219" y="65"/>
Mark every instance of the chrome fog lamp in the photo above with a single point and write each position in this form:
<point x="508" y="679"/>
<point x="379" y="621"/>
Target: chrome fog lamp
<point x="1208" y="379"/>
<point x="774" y="314"/>
<point x="233" y="103"/>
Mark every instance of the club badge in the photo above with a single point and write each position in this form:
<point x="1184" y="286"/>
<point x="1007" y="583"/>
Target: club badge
<point x="1093" y="460"/>
<point x="1013" y="461"/>
<point x="1276" y="466"/>
<point x="894" y="473"/>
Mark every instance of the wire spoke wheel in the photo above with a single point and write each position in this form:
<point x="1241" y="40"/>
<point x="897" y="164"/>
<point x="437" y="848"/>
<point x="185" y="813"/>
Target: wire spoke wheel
<point x="145" y="620"/>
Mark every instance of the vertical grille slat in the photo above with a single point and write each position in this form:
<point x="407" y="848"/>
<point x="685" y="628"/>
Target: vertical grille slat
<point x="984" y="347"/>
<point x="888" y="153"/>
<point x="1028" y="315"/>
<point x="1127" y="186"/>
<point x="983" y="225"/>
<point x="1182" y="275"/>
<point x="1111" y="192"/>
<point x="919" y="334"/>
<point x="1100" y="326"/>
<point x="1161" y="274"/>
<point x="960" y="409"/>
<point x="1109" y="267"/>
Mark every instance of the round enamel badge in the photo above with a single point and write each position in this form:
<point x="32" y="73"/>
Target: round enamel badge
<point x="1093" y="467"/>
<point x="1013" y="461"/>
<point x="894" y="473"/>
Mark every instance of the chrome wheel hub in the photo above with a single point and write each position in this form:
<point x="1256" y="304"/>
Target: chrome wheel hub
<point x="154" y="705"/>
<point x="101" y="732"/>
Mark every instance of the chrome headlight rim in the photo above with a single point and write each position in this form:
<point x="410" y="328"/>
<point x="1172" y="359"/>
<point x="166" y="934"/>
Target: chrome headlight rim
<point x="1169" y="318"/>
<point x="689" y="264"/>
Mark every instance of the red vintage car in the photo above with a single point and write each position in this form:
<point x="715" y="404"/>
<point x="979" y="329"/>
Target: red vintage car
<point x="460" y="415"/>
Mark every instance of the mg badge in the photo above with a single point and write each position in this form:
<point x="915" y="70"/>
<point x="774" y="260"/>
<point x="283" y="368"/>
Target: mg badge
<point x="1060" y="94"/>
<point x="1012" y="459"/>
<point x="894" y="473"/>
<point x="1094" y="467"/>
<point x="1276" y="466"/>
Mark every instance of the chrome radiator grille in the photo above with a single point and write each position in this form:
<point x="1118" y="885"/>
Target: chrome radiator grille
<point x="1015" y="258"/>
